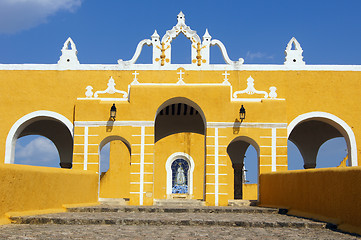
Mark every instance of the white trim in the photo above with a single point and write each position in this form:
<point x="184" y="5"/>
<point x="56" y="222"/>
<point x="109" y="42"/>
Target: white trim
<point x="141" y="177"/>
<point x="271" y="137"/>
<point x="173" y="67"/>
<point x="340" y="125"/>
<point x="246" y="125"/>
<point x="216" y="169"/>
<point x="168" y="167"/>
<point x="106" y="99"/>
<point x="115" y="123"/>
<point x="86" y="132"/>
<point x="23" y="122"/>
<point x="274" y="149"/>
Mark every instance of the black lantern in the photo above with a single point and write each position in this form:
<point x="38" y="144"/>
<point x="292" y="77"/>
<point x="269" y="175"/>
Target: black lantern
<point x="113" y="112"/>
<point x="242" y="113"/>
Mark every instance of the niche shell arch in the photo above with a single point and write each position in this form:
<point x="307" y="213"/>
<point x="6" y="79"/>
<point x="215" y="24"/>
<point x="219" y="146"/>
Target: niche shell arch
<point x="25" y="121"/>
<point x="168" y="167"/>
<point x="335" y="122"/>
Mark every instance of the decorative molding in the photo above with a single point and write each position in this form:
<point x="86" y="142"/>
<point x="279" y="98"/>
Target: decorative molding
<point x="251" y="90"/>
<point x="136" y="54"/>
<point x="225" y="54"/>
<point x="293" y="53"/>
<point x="68" y="58"/>
<point x="110" y="90"/>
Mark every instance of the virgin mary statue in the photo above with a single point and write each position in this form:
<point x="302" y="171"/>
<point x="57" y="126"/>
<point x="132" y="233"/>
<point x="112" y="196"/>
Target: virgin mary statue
<point x="180" y="177"/>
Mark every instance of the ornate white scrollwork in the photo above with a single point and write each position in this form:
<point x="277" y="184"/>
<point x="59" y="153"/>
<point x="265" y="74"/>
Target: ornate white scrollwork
<point x="251" y="90"/>
<point x="110" y="90"/>
<point x="225" y="54"/>
<point x="200" y="53"/>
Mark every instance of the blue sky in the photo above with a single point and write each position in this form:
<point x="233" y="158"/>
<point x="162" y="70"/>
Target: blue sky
<point x="33" y="31"/>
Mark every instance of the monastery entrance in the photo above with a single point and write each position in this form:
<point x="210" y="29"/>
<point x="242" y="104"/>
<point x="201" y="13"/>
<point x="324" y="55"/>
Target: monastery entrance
<point x="236" y="151"/>
<point x="179" y="149"/>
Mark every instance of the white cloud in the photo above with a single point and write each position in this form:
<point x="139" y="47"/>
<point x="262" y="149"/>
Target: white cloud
<point x="257" y="55"/>
<point x="17" y="15"/>
<point x="38" y="151"/>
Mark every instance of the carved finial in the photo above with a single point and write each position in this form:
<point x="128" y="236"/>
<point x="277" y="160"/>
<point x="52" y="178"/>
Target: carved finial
<point x="181" y="18"/>
<point x="206" y="36"/>
<point x="89" y="92"/>
<point x="293" y="53"/>
<point x="69" y="52"/>
<point x="155" y="35"/>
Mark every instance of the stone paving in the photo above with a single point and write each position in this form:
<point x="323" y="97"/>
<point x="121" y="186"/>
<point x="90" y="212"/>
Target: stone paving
<point x="53" y="231"/>
<point x="106" y="222"/>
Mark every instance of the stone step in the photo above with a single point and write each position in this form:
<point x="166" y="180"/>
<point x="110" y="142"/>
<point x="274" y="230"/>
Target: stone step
<point x="241" y="203"/>
<point x="179" y="202"/>
<point x="249" y="220"/>
<point x="177" y="209"/>
<point x="114" y="201"/>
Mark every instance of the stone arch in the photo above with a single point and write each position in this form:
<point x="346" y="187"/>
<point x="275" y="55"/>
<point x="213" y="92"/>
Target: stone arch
<point x="236" y="150"/>
<point x="177" y="115"/>
<point x="321" y="127"/>
<point x="45" y="123"/>
<point x="170" y="160"/>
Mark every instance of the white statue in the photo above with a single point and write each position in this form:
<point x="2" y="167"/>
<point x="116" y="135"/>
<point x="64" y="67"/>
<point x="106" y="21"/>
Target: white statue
<point x="180" y="177"/>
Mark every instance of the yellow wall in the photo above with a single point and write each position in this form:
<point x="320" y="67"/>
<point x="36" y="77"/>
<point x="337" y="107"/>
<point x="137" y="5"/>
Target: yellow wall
<point x="331" y="195"/>
<point x="250" y="191"/>
<point x="116" y="181"/>
<point x="189" y="143"/>
<point x="28" y="188"/>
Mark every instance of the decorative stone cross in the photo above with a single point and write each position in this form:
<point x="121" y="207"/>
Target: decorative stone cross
<point x="135" y="80"/>
<point x="180" y="75"/>
<point x="225" y="74"/>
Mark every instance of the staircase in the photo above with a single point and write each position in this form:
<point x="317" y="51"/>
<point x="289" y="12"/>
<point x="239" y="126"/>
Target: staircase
<point x="250" y="217"/>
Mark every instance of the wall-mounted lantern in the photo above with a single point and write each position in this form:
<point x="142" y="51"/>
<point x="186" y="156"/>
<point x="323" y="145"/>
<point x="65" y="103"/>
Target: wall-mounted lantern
<point x="242" y="113"/>
<point x="113" y="112"/>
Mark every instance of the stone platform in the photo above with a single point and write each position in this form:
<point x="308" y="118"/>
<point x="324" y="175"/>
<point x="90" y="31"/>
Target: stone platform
<point x="155" y="222"/>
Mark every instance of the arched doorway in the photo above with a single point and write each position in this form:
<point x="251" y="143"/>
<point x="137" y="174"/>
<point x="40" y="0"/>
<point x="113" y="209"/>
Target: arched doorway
<point x="51" y="125"/>
<point x="179" y="128"/>
<point x="114" y="178"/>
<point x="236" y="151"/>
<point x="308" y="132"/>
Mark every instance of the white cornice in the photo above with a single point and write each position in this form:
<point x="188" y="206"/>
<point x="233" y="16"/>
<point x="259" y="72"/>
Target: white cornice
<point x="173" y="67"/>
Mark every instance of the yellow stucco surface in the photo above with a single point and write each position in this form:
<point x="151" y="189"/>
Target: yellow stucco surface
<point x="331" y="194"/>
<point x="41" y="189"/>
<point x="115" y="183"/>
<point x="250" y="191"/>
<point x="298" y="92"/>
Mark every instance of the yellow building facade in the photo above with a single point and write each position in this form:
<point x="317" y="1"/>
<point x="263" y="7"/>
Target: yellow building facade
<point x="178" y="131"/>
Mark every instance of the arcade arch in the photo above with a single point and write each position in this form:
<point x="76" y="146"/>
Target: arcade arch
<point x="178" y="115"/>
<point x="51" y="125"/>
<point x="115" y="182"/>
<point x="311" y="130"/>
<point x="236" y="151"/>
